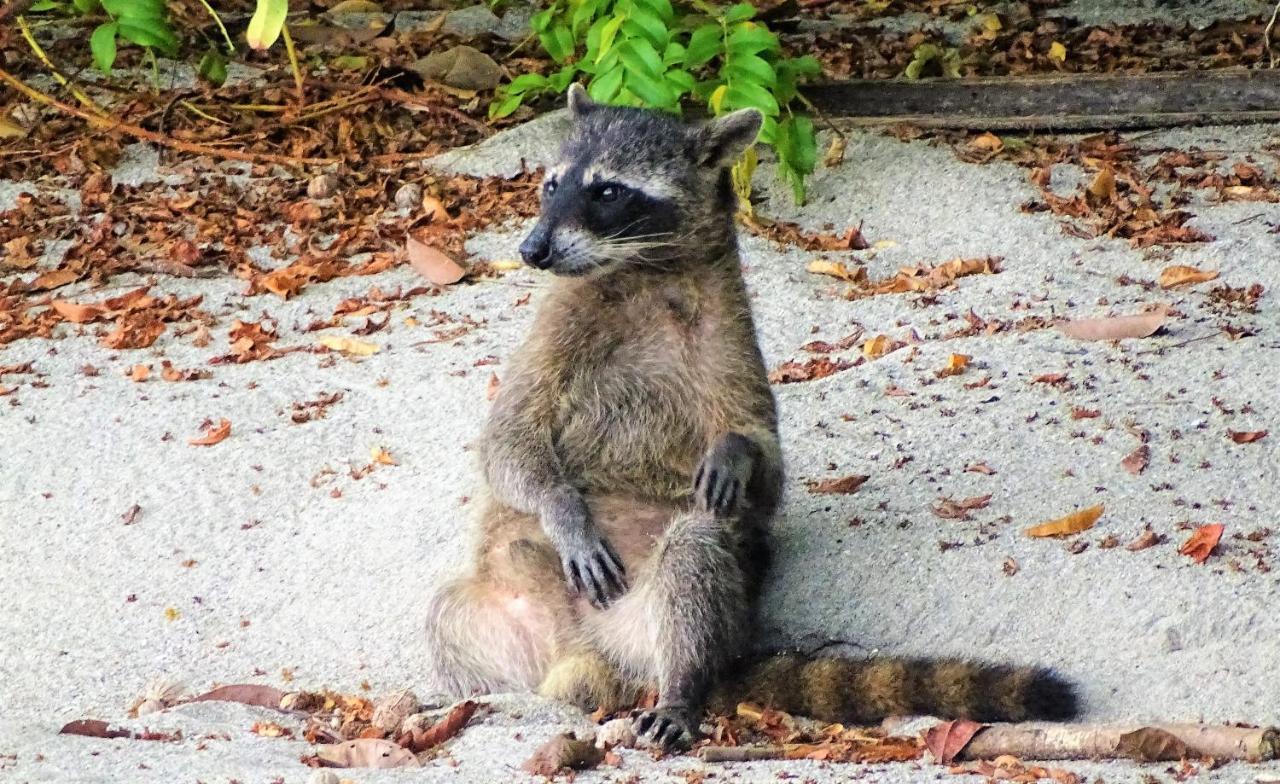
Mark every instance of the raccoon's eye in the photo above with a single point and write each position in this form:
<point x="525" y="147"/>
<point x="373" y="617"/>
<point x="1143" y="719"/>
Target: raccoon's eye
<point x="609" y="192"/>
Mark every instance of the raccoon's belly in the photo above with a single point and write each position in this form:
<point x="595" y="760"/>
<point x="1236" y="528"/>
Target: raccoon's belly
<point x="637" y="440"/>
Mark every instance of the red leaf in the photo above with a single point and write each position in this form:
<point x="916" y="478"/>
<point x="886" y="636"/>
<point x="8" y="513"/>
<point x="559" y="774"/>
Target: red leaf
<point x="1137" y="460"/>
<point x="1247" y="436"/>
<point x="433" y="264"/>
<point x="1202" y="542"/>
<point x="842" y="486"/>
<point x="93" y="728"/>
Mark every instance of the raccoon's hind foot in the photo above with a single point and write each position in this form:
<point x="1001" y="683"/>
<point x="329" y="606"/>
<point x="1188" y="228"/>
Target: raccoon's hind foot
<point x="667" y="728"/>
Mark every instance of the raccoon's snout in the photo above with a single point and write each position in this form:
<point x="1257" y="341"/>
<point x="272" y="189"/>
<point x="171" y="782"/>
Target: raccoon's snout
<point x="536" y="248"/>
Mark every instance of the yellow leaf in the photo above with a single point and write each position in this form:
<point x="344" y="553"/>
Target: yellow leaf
<point x="381" y="456"/>
<point x="956" y="364"/>
<point x="505" y="265"/>
<point x="876" y="347"/>
<point x="410" y="321"/>
<point x="991" y="23"/>
<point x="9" y="130"/>
<point x="355" y="7"/>
<point x="1180" y="274"/>
<point x="172" y="614"/>
<point x="1073" y="523"/>
<point x="835" y="152"/>
<point x="348" y="345"/>
<point x="1058" y="52"/>
<point x="266" y="23"/>
<point x="717" y="98"/>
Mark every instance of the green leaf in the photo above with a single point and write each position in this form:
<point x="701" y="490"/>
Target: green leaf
<point x="86" y="7"/>
<point x="604" y="88"/>
<point x="680" y="81"/>
<point x="739" y="12"/>
<point x="505" y="106"/>
<point x="103" y="45"/>
<point x="559" y="81"/>
<point x="525" y="82"/>
<point x="644" y="22"/>
<point x="705" y="43"/>
<point x="46" y="5"/>
<point x="607" y="35"/>
<point x="674" y="55"/>
<point x="768" y="131"/>
<point x="583" y="14"/>
<point x="743" y="95"/>
<point x="652" y="91"/>
<point x="751" y="68"/>
<point x="751" y="39"/>
<point x="213" y="68"/>
<point x="662" y="8"/>
<point x="148" y="33"/>
<point x="558" y="41"/>
<point x="266" y="23"/>
<point x="541" y="21"/>
<point x="639" y="56"/>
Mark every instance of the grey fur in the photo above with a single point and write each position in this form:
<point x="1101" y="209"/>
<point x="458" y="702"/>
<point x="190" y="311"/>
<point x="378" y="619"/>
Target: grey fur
<point x="631" y="456"/>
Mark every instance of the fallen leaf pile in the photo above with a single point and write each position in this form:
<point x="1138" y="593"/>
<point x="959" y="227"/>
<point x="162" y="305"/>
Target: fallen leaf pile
<point x="798" y="738"/>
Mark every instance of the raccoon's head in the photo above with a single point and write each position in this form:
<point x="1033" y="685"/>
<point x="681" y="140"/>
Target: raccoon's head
<point x="637" y="187"/>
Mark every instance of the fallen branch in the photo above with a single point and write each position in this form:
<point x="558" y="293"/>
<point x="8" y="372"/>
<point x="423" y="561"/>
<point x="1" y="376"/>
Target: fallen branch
<point x="1092" y="741"/>
<point x="740" y="753"/>
<point x="112" y="124"/>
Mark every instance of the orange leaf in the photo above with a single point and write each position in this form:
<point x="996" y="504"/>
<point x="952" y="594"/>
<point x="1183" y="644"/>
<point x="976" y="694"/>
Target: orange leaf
<point x="1202" y="542"/>
<point x="1247" y="436"/>
<point x="76" y="313"/>
<point x="213" y="435"/>
<point x="945" y="741"/>
<point x="140" y="372"/>
<point x="433" y="264"/>
<point x="956" y="364"/>
<point x="877" y="346"/>
<point x="841" y="486"/>
<point x="1073" y="523"/>
<point x="1180" y="274"/>
<point x="1115" y="327"/>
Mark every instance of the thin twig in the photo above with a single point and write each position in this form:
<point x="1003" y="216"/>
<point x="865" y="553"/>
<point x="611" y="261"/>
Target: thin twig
<point x="110" y="123"/>
<point x="88" y="102"/>
<point x="1266" y="37"/>
<point x="293" y="64"/>
<point x="231" y="48"/>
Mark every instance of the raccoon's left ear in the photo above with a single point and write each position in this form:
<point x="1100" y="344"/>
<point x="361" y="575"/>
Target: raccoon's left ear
<point x="724" y="139"/>
<point x="579" y="102"/>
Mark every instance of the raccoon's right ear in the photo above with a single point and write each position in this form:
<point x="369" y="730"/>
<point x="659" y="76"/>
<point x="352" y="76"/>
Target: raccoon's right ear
<point x="724" y="139"/>
<point x="579" y="102"/>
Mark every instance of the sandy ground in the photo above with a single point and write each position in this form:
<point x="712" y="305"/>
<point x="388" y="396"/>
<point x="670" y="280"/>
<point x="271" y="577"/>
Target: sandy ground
<point x="305" y="576"/>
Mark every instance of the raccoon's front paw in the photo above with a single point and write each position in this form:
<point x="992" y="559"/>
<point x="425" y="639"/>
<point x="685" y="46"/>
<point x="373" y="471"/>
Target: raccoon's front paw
<point x="722" y="476"/>
<point x="665" y="728"/>
<point x="590" y="564"/>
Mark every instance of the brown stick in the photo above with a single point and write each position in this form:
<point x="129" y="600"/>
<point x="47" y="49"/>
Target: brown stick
<point x="740" y="753"/>
<point x="1036" y="741"/>
<point x="109" y="123"/>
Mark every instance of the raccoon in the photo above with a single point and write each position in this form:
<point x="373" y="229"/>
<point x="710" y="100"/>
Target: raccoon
<point x="633" y="466"/>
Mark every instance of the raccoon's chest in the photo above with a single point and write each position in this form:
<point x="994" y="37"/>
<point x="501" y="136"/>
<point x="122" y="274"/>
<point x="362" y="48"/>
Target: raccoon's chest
<point x="631" y="418"/>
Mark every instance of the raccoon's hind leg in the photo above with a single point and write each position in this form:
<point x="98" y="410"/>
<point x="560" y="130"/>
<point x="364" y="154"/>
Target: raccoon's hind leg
<point x="686" y="614"/>
<point x="500" y="628"/>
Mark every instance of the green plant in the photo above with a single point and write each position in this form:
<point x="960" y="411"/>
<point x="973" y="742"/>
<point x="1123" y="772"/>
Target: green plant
<point x="651" y="53"/>
<point x="141" y="22"/>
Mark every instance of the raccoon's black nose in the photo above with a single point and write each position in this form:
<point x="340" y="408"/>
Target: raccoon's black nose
<point x="536" y="249"/>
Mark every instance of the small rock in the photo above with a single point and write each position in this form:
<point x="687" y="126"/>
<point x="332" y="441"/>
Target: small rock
<point x="409" y="196"/>
<point x="322" y="186"/>
<point x="463" y="67"/>
<point x="391" y="710"/>
<point x="323" y="777"/>
<point x="471" y="21"/>
<point x="616" y="732"/>
<point x="415" y="721"/>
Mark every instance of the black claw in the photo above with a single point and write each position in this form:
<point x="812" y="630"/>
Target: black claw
<point x="697" y="478"/>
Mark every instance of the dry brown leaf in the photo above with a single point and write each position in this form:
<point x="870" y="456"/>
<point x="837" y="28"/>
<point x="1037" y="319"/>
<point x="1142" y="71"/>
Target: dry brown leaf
<point x="980" y="468"/>
<point x="1149" y="538"/>
<point x="1247" y="436"/>
<point x="140" y="372"/>
<point x="245" y="693"/>
<point x="1200" y="546"/>
<point x="1103" y="187"/>
<point x="76" y="313"/>
<point x="366" y="753"/>
<point x="842" y="486"/>
<point x="213" y="435"/>
<point x="1073" y="523"/>
<point x="952" y="509"/>
<point x="1115" y="327"/>
<point x="1180" y="274"/>
<point x="93" y="728"/>
<point x="1137" y="460"/>
<point x="837" y="269"/>
<point x="945" y="741"/>
<point x="1150" y="744"/>
<point x="433" y="264"/>
<point x="381" y="456"/>
<point x="563" y="752"/>
<point x="347" y="345"/>
<point x="491" y="389"/>
<point x="820" y="367"/>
